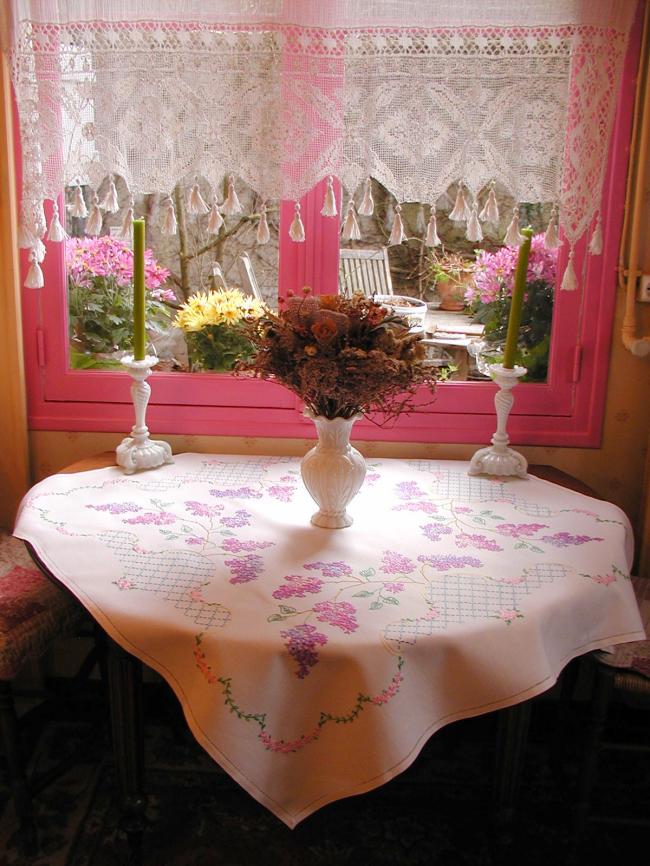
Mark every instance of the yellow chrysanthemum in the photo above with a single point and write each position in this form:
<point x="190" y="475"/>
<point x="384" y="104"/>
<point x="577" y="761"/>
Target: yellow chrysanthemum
<point x="222" y="307"/>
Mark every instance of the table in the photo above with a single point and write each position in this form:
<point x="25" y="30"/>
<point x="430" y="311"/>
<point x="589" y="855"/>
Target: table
<point x="314" y="664"/>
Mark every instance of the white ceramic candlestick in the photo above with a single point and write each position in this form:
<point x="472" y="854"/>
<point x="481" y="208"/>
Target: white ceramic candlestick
<point x="138" y="451"/>
<point x="498" y="459"/>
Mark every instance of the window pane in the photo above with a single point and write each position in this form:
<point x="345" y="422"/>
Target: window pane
<point x="193" y="260"/>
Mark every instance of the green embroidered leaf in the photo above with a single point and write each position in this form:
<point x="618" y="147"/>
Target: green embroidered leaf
<point x="276" y="617"/>
<point x="226" y="532"/>
<point x="363" y="594"/>
<point x="390" y="600"/>
<point x="186" y="528"/>
<point x="477" y="519"/>
<point x="171" y="536"/>
<point x="367" y="572"/>
<point x="285" y="609"/>
<point x="520" y="544"/>
<point x="376" y="605"/>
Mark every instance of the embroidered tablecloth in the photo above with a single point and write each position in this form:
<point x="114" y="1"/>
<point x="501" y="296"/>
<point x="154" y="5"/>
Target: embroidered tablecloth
<point x="313" y="664"/>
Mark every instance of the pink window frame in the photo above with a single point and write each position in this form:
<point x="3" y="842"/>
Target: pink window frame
<point x="567" y="410"/>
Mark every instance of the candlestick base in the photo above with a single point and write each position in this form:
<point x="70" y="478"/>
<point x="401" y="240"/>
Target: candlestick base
<point x="138" y="451"/>
<point x="498" y="459"/>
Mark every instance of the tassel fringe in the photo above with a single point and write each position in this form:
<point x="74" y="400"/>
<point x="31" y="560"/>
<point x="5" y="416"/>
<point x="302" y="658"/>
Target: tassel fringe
<point x="110" y="202"/>
<point x="169" y="223"/>
<point x="397" y="235"/>
<point x="25" y="237"/>
<point x="40" y="223"/>
<point x="351" y="230"/>
<point x="551" y="239"/>
<point x="195" y="203"/>
<point x="56" y="233"/>
<point x="34" y="278"/>
<point x="329" y="205"/>
<point x="78" y="208"/>
<point x="596" y="242"/>
<point x="432" y="239"/>
<point x="420" y="222"/>
<point x="231" y="205"/>
<point x="297" y="229"/>
<point x="263" y="233"/>
<point x="474" y="232"/>
<point x="367" y="206"/>
<point x="94" y="224"/>
<point x="215" y="220"/>
<point x="39" y="250"/>
<point x="569" y="281"/>
<point x="513" y="236"/>
<point x="490" y="212"/>
<point x="127" y="223"/>
<point x="461" y="209"/>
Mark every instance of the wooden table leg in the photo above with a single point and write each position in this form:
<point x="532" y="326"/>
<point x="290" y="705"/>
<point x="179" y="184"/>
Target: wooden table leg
<point x="512" y="739"/>
<point x="125" y="691"/>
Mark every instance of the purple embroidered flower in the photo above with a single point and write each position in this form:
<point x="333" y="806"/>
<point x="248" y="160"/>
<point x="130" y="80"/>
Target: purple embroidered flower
<point x="297" y="586"/>
<point x="239" y="519"/>
<point x="157" y="518"/>
<point x="444" y="563"/>
<point x="371" y="477"/>
<point x="409" y="490"/>
<point x="427" y="507"/>
<point x="564" y="539"/>
<point x="465" y="539"/>
<point x="463" y="509"/>
<point x="234" y="545"/>
<point x="236" y="493"/>
<point x="398" y="586"/>
<point x="338" y="613"/>
<point x="284" y="494"/>
<point x="116" y="507"/>
<point x="329" y="569"/>
<point x="199" y="509"/>
<point x="516" y="530"/>
<point x="396" y="563"/>
<point x="434" y="531"/>
<point x="301" y="642"/>
<point x="245" y="569"/>
<point x="288" y="478"/>
<point x="194" y="540"/>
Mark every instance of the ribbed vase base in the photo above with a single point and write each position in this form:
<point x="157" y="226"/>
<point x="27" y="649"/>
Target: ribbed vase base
<point x="331" y="521"/>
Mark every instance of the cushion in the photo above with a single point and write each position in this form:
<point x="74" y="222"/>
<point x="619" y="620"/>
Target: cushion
<point x="33" y="609"/>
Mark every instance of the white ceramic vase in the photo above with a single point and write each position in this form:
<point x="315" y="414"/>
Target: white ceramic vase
<point x="333" y="471"/>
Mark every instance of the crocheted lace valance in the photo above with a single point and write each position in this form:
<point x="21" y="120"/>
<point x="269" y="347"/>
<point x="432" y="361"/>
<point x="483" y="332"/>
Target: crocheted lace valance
<point x="281" y="93"/>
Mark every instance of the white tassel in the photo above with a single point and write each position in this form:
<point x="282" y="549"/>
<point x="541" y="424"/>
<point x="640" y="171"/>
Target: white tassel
<point x="367" y="206"/>
<point x="297" y="229"/>
<point x="231" y="205"/>
<point x="34" y="279"/>
<point x="490" y="212"/>
<point x="39" y="249"/>
<point x="25" y="237"/>
<point x="195" y="202"/>
<point x="397" y="235"/>
<point x="420" y="222"/>
<point x="551" y="239"/>
<point x="110" y="202"/>
<point x="569" y="281"/>
<point x="263" y="233"/>
<point x="596" y="242"/>
<point x="78" y="208"/>
<point x="127" y="223"/>
<point x="94" y="224"/>
<point x="56" y="232"/>
<point x="215" y="220"/>
<point x="474" y="232"/>
<point x="513" y="236"/>
<point x="40" y="223"/>
<point x="169" y="223"/>
<point x="351" y="230"/>
<point x="461" y="209"/>
<point x="432" y="239"/>
<point x="329" y="205"/>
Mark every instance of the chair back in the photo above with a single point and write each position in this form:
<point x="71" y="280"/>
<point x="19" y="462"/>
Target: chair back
<point x="249" y="284"/>
<point x="217" y="276"/>
<point x="366" y="271"/>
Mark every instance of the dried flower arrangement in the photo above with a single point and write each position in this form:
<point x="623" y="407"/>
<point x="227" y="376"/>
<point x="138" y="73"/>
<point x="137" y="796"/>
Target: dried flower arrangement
<point x="341" y="356"/>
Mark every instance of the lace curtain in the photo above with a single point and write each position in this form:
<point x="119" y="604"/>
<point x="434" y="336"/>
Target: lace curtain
<point x="281" y="94"/>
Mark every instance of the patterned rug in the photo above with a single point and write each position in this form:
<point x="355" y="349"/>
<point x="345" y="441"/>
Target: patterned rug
<point x="437" y="813"/>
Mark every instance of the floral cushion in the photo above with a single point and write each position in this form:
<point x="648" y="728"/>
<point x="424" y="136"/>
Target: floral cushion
<point x="33" y="609"/>
<point x="635" y="655"/>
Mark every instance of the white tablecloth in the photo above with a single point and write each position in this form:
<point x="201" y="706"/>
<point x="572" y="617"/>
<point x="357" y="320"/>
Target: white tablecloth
<point x="313" y="664"/>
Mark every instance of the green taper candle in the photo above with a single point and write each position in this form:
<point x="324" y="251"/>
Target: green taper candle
<point x="517" y="301"/>
<point x="139" y="333"/>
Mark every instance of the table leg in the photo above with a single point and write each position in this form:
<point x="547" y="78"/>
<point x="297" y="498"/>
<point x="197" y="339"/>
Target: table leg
<point x="512" y="739"/>
<point x="125" y="690"/>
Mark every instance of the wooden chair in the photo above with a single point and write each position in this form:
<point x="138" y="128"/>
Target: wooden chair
<point x="34" y="612"/>
<point x="247" y="276"/>
<point x="366" y="271"/>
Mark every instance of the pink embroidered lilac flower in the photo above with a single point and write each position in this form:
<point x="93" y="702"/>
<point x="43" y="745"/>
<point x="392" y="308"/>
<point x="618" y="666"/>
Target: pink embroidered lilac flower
<point x="396" y="563"/>
<point x="386" y="694"/>
<point x="297" y="586"/>
<point x="604" y="579"/>
<point x="329" y="569"/>
<point x="234" y="545"/>
<point x="155" y="518"/>
<point x="508" y="614"/>
<point x="236" y="493"/>
<point x="564" y="539"/>
<point x="284" y="747"/>
<point x="398" y="586"/>
<point x="517" y="530"/>
<point x="426" y="507"/>
<point x="194" y="540"/>
<point x="124" y="583"/>
<point x="284" y="494"/>
<point x="447" y="562"/>
<point x="115" y="507"/>
<point x="301" y="642"/>
<point x="245" y="569"/>
<point x="200" y="509"/>
<point x="434" y="531"/>
<point x="480" y="542"/>
<point x="239" y="519"/>
<point x="408" y="490"/>
<point x="337" y="613"/>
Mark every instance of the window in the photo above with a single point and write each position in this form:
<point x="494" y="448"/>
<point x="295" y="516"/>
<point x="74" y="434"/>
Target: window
<point x="563" y="407"/>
